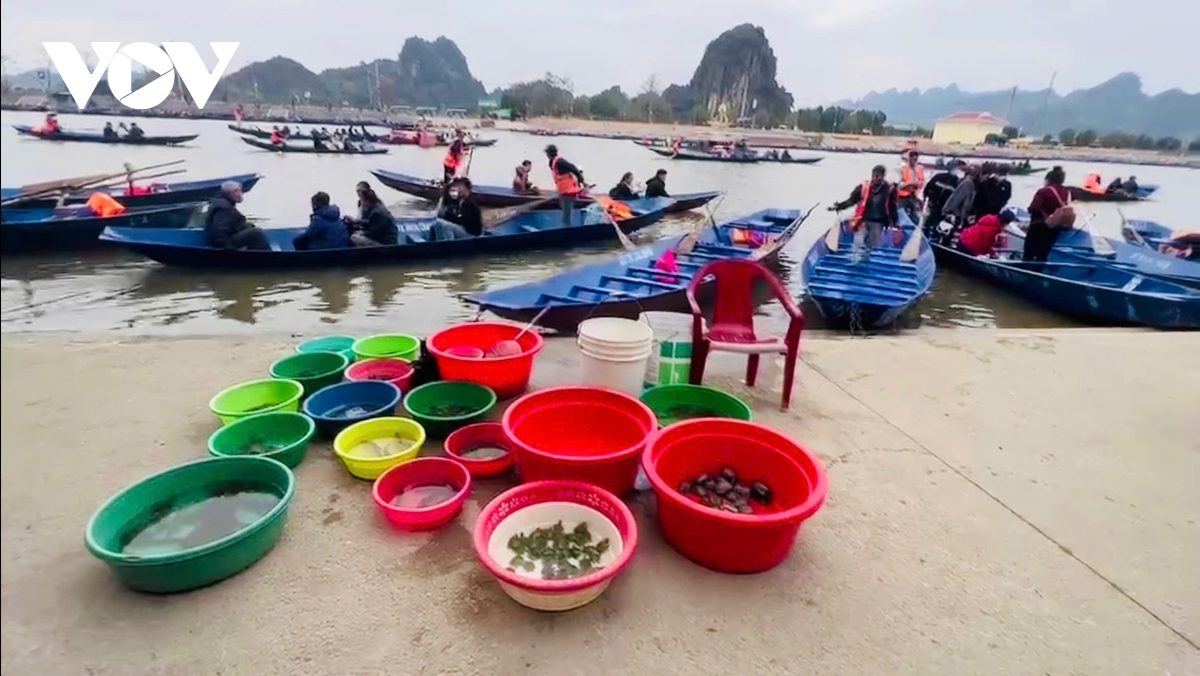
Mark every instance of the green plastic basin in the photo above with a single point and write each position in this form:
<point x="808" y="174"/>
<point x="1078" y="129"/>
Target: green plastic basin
<point x="423" y="404"/>
<point x="254" y="397"/>
<point x="282" y="436"/>
<point x="389" y="346"/>
<point x="313" y="370"/>
<point x="125" y="515"/>
<point x="675" y="403"/>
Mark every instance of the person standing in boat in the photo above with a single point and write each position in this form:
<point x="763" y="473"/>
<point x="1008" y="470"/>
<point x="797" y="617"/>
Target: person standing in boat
<point x="1049" y="214"/>
<point x="521" y="184"/>
<point x="961" y="205"/>
<point x="912" y="180"/>
<point x="657" y="186"/>
<point x="374" y="225"/>
<point x="936" y="193"/>
<point x="624" y="189"/>
<point x="226" y="228"/>
<point x="568" y="181"/>
<point x="454" y="157"/>
<point x="462" y="217"/>
<point x="877" y="210"/>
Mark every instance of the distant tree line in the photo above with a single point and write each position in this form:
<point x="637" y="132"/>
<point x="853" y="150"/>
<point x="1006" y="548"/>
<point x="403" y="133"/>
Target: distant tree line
<point x="1089" y="137"/>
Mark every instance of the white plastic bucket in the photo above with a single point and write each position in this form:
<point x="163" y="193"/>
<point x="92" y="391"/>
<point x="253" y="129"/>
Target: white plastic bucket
<point x="671" y="355"/>
<point x="615" y="352"/>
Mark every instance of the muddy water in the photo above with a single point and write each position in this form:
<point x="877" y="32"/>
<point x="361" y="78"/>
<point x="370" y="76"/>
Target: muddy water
<point x="110" y="290"/>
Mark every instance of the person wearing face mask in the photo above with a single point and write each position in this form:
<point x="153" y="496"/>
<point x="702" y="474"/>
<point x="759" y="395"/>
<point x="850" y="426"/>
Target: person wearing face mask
<point x="937" y="191"/>
<point x="459" y="217"/>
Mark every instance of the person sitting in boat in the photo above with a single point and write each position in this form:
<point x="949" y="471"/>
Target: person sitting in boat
<point x="277" y="137"/>
<point x="374" y="225"/>
<point x="521" y="184"/>
<point x="624" y="189"/>
<point x="657" y="186"/>
<point x="135" y="133"/>
<point x="1115" y="186"/>
<point x="49" y="127"/>
<point x="318" y="141"/>
<point x="226" y="228"/>
<point x="325" y="227"/>
<point x="1130" y="187"/>
<point x="109" y="132"/>
<point x="286" y="132"/>
<point x="877" y="211"/>
<point x="785" y="156"/>
<point x="980" y="239"/>
<point x="459" y="217"/>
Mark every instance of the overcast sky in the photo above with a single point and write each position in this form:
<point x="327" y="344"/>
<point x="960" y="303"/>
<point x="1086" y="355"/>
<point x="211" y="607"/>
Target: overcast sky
<point x="827" y="49"/>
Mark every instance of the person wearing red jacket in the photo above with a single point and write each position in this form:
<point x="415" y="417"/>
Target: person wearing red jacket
<point x="980" y="238"/>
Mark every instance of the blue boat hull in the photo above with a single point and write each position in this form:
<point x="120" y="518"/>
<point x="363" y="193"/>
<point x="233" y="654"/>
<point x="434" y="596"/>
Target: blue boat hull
<point x="1094" y="294"/>
<point x="873" y="292"/>
<point x="174" y="193"/>
<point x="535" y="230"/>
<point x="500" y="196"/>
<point x="98" y="137"/>
<point x="1132" y="257"/>
<point x="628" y="284"/>
<point x="29" y="230"/>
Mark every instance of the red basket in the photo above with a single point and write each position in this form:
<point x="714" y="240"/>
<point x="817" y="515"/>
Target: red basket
<point x="474" y="436"/>
<point x="733" y="543"/>
<point x="395" y="371"/>
<point x="586" y="434"/>
<point x="507" y="376"/>
<point x="422" y="471"/>
<point x="538" y="492"/>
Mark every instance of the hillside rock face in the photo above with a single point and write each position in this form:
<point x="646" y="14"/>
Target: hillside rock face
<point x="435" y="73"/>
<point x="735" y="79"/>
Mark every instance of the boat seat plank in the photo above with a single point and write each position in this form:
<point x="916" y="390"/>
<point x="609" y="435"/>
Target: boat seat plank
<point x="605" y="279"/>
<point x="661" y="273"/>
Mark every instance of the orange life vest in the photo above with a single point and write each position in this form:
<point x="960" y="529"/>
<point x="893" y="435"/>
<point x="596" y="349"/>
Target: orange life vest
<point x="452" y="161"/>
<point x="565" y="184"/>
<point x="1091" y="183"/>
<point x="618" y="210"/>
<point x="857" y="220"/>
<point x="102" y="204"/>
<point x="907" y="177"/>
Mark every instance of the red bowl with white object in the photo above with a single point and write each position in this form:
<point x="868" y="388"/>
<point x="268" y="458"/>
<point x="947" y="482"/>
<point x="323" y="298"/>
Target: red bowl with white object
<point x="542" y="504"/>
<point x="488" y="434"/>
<point x="451" y="477"/>
<point x="720" y="540"/>
<point x="587" y="434"/>
<point x="465" y="352"/>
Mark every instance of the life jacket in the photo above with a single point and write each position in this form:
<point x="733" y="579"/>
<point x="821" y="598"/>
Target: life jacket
<point x="857" y="220"/>
<point x="565" y="184"/>
<point x="453" y="160"/>
<point x="618" y="210"/>
<point x="276" y="138"/>
<point x="134" y="190"/>
<point x="102" y="204"/>
<point x="907" y="177"/>
<point x="1091" y="183"/>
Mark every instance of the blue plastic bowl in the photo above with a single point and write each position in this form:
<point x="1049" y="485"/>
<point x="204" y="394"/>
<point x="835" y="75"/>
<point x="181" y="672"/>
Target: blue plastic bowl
<point x="336" y="407"/>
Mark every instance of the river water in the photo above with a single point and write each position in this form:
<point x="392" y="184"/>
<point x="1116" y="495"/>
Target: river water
<point x="112" y="290"/>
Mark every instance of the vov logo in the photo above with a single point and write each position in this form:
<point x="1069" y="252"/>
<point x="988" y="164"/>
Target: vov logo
<point x="179" y="56"/>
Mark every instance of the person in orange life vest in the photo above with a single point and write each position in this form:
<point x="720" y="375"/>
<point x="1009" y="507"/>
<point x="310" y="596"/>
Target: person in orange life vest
<point x="50" y="126"/>
<point x="1091" y="183"/>
<point x="980" y="239"/>
<point x="454" y="157"/>
<point x="675" y="147"/>
<point x="568" y="181"/>
<point x="912" y="180"/>
<point x="876" y="200"/>
<point x="277" y="138"/>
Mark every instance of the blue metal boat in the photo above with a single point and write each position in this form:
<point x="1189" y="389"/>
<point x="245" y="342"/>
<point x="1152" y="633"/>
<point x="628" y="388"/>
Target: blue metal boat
<point x="530" y="230"/>
<point x="1091" y="292"/>
<point x="169" y="193"/>
<point x="99" y="137"/>
<point x="501" y="196"/>
<point x="628" y="284"/>
<point x="25" y="230"/>
<point x="870" y="288"/>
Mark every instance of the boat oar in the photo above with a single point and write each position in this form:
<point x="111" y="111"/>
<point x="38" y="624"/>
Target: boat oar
<point x="783" y="237"/>
<point x="688" y="243"/>
<point x="506" y="215"/>
<point x="834" y="236"/>
<point x="77" y="184"/>
<point x="602" y="202"/>
<point x="1099" y="244"/>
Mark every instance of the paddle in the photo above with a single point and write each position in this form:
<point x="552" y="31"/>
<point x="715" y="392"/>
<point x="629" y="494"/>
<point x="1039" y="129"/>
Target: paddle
<point x="912" y="248"/>
<point x="834" y="236"/>
<point x="76" y="184"/>
<point x="688" y="243"/>
<point x="783" y="237"/>
<point x="601" y="202"/>
<point x="1099" y="244"/>
<point x="506" y="215"/>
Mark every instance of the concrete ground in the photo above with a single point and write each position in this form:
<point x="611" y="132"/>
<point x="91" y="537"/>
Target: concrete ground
<point x="1000" y="503"/>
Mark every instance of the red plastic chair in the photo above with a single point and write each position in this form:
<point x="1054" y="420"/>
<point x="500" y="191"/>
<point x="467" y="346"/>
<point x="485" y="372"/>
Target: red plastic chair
<point x="732" y="328"/>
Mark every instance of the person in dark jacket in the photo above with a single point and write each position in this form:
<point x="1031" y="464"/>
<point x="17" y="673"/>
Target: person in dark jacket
<point x="992" y="192"/>
<point x="226" y="228"/>
<point x="1130" y="186"/>
<point x="657" y="186"/>
<point x="374" y="225"/>
<point x="325" y="227"/>
<point x="878" y="206"/>
<point x="961" y="204"/>
<point x="624" y="190"/>
<point x="135" y="132"/>
<point x="936" y="192"/>
<point x="109" y="132"/>
<point x="462" y="216"/>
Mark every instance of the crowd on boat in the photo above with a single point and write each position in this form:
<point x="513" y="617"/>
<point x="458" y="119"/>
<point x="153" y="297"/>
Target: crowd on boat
<point x="347" y="139"/>
<point x="1128" y="187"/>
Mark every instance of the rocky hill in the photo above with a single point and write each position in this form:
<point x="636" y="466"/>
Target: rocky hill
<point x="734" y="81"/>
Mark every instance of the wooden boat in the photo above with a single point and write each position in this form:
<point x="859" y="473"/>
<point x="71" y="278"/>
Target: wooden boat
<point x="1150" y="236"/>
<point x="1011" y="168"/>
<point x="1080" y="195"/>
<point x="685" y="154"/>
<point x="1091" y="292"/>
<point x="169" y="193"/>
<point x="503" y="196"/>
<point x="791" y="160"/>
<point x="289" y="148"/>
<point x="869" y="291"/>
<point x="531" y="230"/>
<point x="24" y="230"/>
<point x="259" y="132"/>
<point x="98" y="137"/>
<point x="628" y="284"/>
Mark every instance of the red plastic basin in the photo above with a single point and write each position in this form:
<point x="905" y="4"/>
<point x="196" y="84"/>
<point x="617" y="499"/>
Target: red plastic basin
<point x="507" y="376"/>
<point x="722" y="541"/>
<point x="395" y="371"/>
<point x="586" y="434"/>
<point x="421" y="472"/>
<point x="480" y="434"/>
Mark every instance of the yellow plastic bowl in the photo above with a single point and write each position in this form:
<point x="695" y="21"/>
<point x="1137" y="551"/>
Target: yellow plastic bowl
<point x="366" y="430"/>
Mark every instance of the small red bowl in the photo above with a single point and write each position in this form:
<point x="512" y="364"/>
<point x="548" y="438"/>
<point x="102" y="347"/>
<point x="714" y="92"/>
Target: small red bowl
<point x="421" y="472"/>
<point x="395" y="371"/>
<point x="474" y="436"/>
